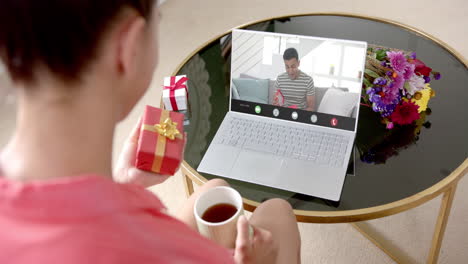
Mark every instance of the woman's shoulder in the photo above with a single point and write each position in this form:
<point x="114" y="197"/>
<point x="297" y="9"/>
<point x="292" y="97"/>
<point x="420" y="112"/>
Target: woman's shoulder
<point x="91" y="211"/>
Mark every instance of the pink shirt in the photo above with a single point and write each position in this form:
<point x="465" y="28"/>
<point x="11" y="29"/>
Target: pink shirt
<point x="91" y="219"/>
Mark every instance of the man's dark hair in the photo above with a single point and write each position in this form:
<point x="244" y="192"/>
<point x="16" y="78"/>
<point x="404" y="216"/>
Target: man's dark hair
<point x="60" y="35"/>
<point x="290" y="53"/>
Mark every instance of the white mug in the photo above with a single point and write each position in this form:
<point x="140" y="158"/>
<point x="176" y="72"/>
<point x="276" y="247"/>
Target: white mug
<point x="223" y="233"/>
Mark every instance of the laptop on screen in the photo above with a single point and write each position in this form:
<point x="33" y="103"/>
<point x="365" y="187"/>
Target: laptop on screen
<point x="294" y="107"/>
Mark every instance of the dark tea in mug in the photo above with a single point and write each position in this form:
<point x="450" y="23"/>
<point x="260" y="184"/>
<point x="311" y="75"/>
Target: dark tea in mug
<point x="219" y="213"/>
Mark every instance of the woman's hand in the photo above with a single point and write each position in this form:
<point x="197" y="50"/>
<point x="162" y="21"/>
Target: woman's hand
<point x="258" y="249"/>
<point x="125" y="170"/>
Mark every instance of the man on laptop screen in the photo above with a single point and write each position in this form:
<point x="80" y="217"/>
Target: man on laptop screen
<point x="296" y="87"/>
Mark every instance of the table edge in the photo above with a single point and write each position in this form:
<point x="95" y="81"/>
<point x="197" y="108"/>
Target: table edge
<point x="346" y="216"/>
<point x="377" y="19"/>
<point x="363" y="214"/>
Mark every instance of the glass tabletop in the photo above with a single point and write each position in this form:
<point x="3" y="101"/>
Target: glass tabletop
<point x="385" y="167"/>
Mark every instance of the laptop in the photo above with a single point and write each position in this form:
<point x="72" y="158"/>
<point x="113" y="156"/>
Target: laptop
<point x="293" y="113"/>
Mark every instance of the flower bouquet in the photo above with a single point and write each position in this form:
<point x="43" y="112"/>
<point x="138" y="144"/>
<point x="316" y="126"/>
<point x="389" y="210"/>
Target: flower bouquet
<point x="397" y="85"/>
<point x="394" y="103"/>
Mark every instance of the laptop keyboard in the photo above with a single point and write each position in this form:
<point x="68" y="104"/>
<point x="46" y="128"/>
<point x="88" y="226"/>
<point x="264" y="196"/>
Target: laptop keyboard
<point x="298" y="143"/>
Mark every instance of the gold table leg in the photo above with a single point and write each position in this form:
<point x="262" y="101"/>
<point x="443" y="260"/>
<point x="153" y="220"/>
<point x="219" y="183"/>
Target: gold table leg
<point x="188" y="183"/>
<point x="390" y="248"/>
<point x="441" y="224"/>
<point x="394" y="252"/>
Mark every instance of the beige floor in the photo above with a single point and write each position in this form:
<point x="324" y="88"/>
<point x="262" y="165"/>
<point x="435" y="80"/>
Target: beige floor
<point x="200" y="20"/>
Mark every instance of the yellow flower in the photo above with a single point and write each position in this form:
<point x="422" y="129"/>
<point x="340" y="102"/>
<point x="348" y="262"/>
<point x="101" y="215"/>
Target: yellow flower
<point x="421" y="98"/>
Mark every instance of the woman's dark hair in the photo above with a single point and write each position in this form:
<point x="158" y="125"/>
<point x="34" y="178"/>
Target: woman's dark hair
<point x="61" y="35"/>
<point x="290" y="53"/>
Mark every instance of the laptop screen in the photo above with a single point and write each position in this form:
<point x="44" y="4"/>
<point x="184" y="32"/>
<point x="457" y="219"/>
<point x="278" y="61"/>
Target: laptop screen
<point x="297" y="78"/>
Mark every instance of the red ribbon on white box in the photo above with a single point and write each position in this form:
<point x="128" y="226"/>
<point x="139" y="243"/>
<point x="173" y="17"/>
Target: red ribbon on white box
<point x="173" y="87"/>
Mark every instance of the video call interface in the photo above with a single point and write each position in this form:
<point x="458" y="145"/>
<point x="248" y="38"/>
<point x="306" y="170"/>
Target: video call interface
<point x="297" y="78"/>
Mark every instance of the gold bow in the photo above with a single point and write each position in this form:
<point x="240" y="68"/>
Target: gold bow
<point x="168" y="129"/>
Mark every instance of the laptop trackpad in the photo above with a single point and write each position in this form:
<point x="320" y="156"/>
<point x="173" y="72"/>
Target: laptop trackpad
<point x="219" y="160"/>
<point x="256" y="167"/>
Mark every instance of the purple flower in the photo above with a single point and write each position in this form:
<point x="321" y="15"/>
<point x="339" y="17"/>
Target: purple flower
<point x="383" y="100"/>
<point x="386" y="114"/>
<point x="437" y="75"/>
<point x="388" y="110"/>
<point x="427" y="79"/>
<point x="397" y="60"/>
<point x="389" y="73"/>
<point x="375" y="107"/>
<point x="391" y="107"/>
<point x="398" y="82"/>
<point x="375" y="98"/>
<point x="383" y="63"/>
<point x="409" y="71"/>
<point x="391" y="88"/>
<point x="391" y="97"/>
<point x="413" y="55"/>
<point x="380" y="81"/>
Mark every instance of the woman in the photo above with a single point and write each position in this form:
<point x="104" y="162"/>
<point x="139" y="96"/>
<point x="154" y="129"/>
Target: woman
<point x="79" y="67"/>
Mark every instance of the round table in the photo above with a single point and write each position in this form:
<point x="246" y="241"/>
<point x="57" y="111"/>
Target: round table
<point x="380" y="184"/>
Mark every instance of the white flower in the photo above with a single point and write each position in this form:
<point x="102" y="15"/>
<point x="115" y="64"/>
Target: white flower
<point x="416" y="83"/>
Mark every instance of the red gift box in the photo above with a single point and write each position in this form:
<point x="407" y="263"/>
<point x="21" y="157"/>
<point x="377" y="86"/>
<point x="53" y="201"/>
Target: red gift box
<point x="279" y="98"/>
<point x="161" y="142"/>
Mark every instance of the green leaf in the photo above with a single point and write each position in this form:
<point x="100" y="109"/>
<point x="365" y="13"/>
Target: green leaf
<point x="381" y="54"/>
<point x="371" y="73"/>
<point x="367" y="83"/>
<point x="406" y="86"/>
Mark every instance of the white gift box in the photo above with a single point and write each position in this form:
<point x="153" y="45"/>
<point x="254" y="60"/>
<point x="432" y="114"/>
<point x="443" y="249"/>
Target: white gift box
<point x="180" y="94"/>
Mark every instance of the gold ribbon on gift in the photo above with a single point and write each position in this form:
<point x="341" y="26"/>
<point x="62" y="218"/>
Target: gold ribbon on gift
<point x="166" y="129"/>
